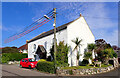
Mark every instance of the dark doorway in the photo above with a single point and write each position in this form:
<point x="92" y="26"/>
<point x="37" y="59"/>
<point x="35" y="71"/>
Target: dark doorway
<point x="111" y="62"/>
<point x="41" y="52"/>
<point x="119" y="60"/>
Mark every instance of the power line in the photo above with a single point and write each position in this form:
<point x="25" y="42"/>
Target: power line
<point x="38" y="23"/>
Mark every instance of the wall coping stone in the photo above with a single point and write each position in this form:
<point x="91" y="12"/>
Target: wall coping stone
<point x="89" y="71"/>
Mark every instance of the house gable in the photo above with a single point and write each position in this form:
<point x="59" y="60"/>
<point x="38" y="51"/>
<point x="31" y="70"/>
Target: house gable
<point x="44" y="34"/>
<point x="78" y="29"/>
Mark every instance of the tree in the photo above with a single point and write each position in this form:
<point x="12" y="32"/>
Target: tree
<point x="62" y="53"/>
<point x="77" y="43"/>
<point x="105" y="54"/>
<point x="102" y="44"/>
<point x="10" y="50"/>
<point x="115" y="47"/>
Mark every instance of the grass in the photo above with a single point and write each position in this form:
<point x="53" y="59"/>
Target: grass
<point x="84" y="67"/>
<point x="105" y="65"/>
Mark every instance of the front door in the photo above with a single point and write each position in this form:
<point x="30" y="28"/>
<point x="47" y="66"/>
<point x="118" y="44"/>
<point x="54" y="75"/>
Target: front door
<point x="41" y="52"/>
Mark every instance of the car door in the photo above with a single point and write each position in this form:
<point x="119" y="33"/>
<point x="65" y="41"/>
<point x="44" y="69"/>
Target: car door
<point x="22" y="63"/>
<point x="26" y="63"/>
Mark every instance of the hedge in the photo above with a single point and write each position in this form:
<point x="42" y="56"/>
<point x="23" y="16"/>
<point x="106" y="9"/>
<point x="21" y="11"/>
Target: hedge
<point x="45" y="66"/>
<point x="13" y="57"/>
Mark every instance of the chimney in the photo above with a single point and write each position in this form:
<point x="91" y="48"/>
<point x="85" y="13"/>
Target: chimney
<point x="80" y="14"/>
<point x="26" y="41"/>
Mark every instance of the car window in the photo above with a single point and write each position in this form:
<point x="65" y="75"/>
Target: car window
<point x="23" y="60"/>
<point x="31" y="60"/>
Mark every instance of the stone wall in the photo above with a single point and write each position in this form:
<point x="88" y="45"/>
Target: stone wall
<point x="84" y="71"/>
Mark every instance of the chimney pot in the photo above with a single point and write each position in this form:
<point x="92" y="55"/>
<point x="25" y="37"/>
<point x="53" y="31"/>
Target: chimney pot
<point x="26" y="41"/>
<point x="80" y="14"/>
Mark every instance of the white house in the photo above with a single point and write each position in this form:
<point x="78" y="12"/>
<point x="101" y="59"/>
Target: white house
<point x="23" y="48"/>
<point x="67" y="32"/>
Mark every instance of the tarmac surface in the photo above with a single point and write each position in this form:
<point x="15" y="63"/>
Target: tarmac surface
<point x="14" y="71"/>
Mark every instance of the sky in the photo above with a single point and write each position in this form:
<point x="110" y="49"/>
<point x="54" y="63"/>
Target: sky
<point x="102" y="18"/>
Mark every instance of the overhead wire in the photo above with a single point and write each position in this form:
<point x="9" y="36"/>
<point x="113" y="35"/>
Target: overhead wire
<point x="30" y="28"/>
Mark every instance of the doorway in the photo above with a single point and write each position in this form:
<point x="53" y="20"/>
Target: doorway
<point x="40" y="53"/>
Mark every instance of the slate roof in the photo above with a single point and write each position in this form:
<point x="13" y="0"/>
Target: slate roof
<point x="23" y="47"/>
<point x="62" y="27"/>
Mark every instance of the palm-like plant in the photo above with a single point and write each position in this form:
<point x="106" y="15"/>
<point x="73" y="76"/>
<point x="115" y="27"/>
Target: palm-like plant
<point x="91" y="47"/>
<point x="88" y="56"/>
<point x="77" y="43"/>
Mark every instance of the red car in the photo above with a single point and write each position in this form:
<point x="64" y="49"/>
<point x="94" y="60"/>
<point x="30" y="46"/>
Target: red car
<point x="28" y="62"/>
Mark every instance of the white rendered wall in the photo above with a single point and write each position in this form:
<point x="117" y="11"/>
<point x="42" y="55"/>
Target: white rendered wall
<point x="80" y="29"/>
<point x="24" y="51"/>
<point x="61" y="36"/>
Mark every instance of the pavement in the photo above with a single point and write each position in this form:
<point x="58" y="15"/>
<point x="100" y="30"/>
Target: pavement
<point x="14" y="71"/>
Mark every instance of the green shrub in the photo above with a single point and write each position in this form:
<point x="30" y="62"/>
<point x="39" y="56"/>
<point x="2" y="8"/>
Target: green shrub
<point x="13" y="57"/>
<point x="41" y="60"/>
<point x="70" y="72"/>
<point x="88" y="55"/>
<point x="10" y="50"/>
<point x="46" y="66"/>
<point x="61" y="54"/>
<point x="84" y="62"/>
<point x="115" y="55"/>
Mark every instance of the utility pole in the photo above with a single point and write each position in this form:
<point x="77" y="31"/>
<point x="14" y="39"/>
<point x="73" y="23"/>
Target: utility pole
<point x="55" y="43"/>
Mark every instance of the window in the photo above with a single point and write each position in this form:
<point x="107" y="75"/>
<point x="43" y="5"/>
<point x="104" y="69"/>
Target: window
<point x="45" y="44"/>
<point x="23" y="60"/>
<point x="31" y="60"/>
<point x="34" y="47"/>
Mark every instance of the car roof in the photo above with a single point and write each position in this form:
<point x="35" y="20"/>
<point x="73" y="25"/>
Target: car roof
<point x="27" y="58"/>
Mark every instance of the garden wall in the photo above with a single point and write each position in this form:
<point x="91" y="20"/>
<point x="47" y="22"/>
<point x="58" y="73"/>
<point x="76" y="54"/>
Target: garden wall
<point x="84" y="71"/>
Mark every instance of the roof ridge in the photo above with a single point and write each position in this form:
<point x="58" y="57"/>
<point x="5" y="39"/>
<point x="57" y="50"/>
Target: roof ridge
<point x="59" y="28"/>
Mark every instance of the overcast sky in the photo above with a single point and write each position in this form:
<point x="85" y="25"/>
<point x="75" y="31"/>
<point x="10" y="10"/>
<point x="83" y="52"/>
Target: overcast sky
<point x="102" y="18"/>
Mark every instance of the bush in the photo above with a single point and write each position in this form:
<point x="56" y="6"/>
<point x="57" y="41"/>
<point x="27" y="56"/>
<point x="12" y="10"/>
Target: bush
<point x="13" y="57"/>
<point x="10" y="50"/>
<point x="41" y="60"/>
<point x="115" y="55"/>
<point x="62" y="51"/>
<point x="46" y="66"/>
<point x="84" y="62"/>
<point x="88" y="55"/>
<point x="70" y="72"/>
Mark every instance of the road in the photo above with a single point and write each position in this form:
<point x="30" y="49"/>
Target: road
<point x="15" y="70"/>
